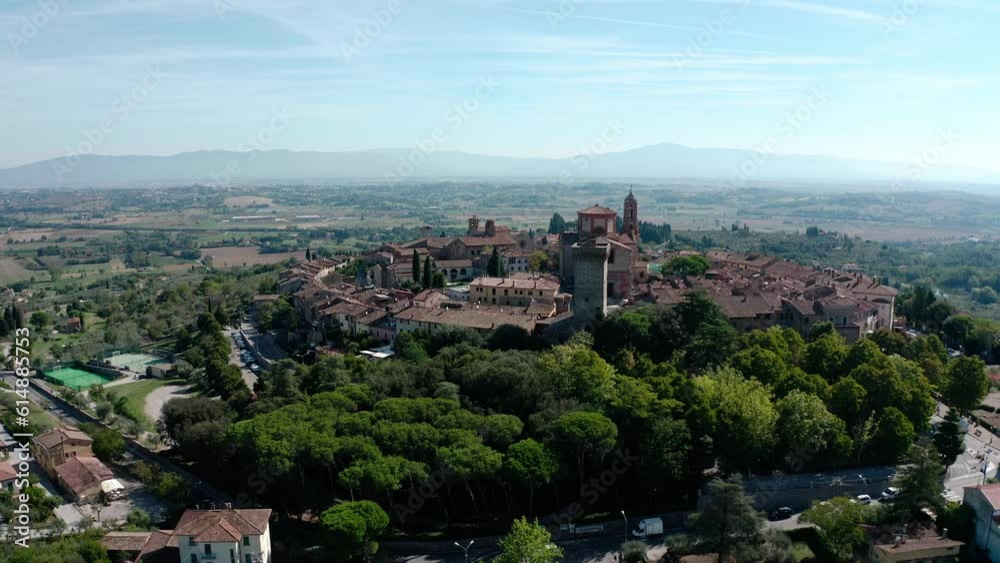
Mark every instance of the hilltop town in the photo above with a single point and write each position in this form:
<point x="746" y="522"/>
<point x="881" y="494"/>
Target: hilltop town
<point x="582" y="276"/>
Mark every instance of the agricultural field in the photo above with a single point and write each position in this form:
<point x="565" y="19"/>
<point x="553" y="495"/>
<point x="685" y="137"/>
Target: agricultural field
<point x="248" y="201"/>
<point x="12" y="270"/>
<point x="233" y="256"/>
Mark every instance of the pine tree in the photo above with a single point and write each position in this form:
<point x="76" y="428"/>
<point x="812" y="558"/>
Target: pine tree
<point x="493" y="266"/>
<point x="426" y="281"/>
<point x="557" y="224"/>
<point x="949" y="439"/>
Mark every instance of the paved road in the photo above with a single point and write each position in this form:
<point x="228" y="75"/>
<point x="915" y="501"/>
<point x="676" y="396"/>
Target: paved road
<point x="967" y="471"/>
<point x="594" y="550"/>
<point x="234" y="358"/>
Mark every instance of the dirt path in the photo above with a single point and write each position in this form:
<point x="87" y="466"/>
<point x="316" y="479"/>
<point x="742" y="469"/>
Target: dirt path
<point x="159" y="396"/>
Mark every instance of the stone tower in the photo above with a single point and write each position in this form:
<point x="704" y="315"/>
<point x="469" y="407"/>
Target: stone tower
<point x="590" y="286"/>
<point x="630" y="219"/>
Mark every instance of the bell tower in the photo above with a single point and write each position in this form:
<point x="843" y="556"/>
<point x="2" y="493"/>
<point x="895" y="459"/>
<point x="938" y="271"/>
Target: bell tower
<point x="630" y="218"/>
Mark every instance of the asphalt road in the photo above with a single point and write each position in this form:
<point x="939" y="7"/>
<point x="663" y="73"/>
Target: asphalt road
<point x="234" y="358"/>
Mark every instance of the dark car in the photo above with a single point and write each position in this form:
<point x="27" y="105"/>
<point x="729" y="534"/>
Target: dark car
<point x="783" y="513"/>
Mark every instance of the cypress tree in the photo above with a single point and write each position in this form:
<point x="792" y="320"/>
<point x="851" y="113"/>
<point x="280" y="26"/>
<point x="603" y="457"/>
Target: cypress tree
<point x="416" y="266"/>
<point x="426" y="282"/>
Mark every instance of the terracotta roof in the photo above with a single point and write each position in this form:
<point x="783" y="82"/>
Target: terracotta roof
<point x="225" y="525"/>
<point x="448" y="264"/>
<point x="80" y="473"/>
<point x="157" y="549"/>
<point x="7" y="472"/>
<point x="125" y="541"/>
<point x="56" y="436"/>
<point x="598" y="210"/>
<point x="483" y="318"/>
<point x="516" y="283"/>
<point x="991" y="492"/>
<point x="916" y="541"/>
<point x="500" y="239"/>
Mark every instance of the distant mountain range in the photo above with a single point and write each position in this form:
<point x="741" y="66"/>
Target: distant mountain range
<point x="656" y="162"/>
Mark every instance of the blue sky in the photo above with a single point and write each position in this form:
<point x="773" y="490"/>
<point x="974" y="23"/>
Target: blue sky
<point x="703" y="73"/>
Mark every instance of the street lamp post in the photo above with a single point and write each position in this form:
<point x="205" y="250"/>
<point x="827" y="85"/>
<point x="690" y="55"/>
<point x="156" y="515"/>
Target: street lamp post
<point x="624" y="517"/>
<point x="466" y="549"/>
<point x="868" y="488"/>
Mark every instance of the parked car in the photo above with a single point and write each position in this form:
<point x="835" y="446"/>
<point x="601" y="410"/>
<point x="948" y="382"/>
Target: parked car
<point x="863" y="499"/>
<point x="890" y="494"/>
<point x="783" y="513"/>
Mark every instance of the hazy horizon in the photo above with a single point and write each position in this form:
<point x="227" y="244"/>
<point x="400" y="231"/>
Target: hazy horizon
<point x="875" y="81"/>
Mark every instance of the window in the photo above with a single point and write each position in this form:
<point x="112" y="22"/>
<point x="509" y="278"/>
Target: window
<point x="190" y="540"/>
<point x="247" y="559"/>
<point x="208" y="549"/>
<point x="246" y="540"/>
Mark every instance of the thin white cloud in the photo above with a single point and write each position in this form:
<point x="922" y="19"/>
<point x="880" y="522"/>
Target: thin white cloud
<point x="822" y="9"/>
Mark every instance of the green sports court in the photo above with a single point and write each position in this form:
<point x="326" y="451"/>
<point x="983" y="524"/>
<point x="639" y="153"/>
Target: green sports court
<point x="76" y="378"/>
<point x="135" y="363"/>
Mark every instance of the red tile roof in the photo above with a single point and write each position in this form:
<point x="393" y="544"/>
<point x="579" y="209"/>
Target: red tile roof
<point x="598" y="210"/>
<point x="991" y="492"/>
<point x="125" y="541"/>
<point x="221" y="525"/>
<point x="80" y="473"/>
<point x="56" y="436"/>
<point x="7" y="472"/>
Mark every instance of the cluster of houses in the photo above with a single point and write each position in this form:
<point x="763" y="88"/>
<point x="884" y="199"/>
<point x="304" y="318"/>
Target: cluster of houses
<point x="757" y="291"/>
<point x="65" y="454"/>
<point x="599" y="269"/>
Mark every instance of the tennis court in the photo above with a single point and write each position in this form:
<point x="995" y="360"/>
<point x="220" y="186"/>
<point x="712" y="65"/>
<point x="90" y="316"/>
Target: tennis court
<point x="135" y="363"/>
<point x="76" y="379"/>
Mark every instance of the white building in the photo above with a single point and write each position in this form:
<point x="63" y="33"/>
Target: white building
<point x="984" y="500"/>
<point x="224" y="536"/>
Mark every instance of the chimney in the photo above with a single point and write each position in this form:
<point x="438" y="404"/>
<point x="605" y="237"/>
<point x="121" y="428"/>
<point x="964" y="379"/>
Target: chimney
<point x="474" y="224"/>
<point x="228" y="505"/>
<point x="491" y="228"/>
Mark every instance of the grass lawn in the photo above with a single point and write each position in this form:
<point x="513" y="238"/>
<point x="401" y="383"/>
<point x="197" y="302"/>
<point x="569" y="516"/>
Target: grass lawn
<point x="802" y="552"/>
<point x="42" y="418"/>
<point x="136" y="393"/>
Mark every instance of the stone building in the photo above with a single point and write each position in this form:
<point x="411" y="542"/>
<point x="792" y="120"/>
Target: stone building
<point x="608" y="260"/>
